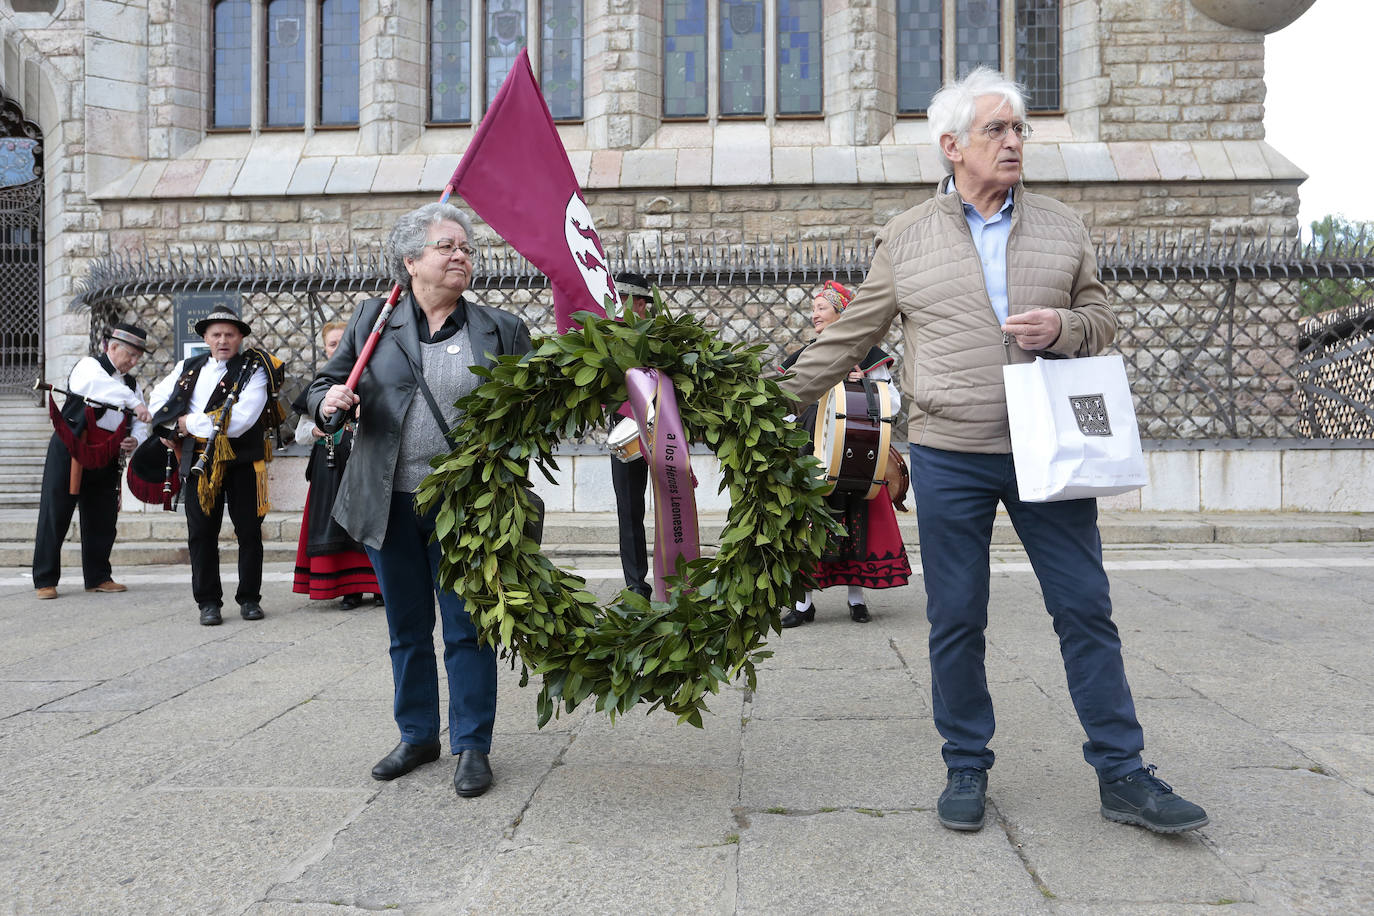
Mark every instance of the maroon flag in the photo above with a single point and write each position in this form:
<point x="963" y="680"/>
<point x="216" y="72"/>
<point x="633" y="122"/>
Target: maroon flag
<point x="516" y="176"/>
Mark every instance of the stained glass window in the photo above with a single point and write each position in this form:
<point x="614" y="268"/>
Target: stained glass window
<point x="450" y="61"/>
<point x="919" y="57"/>
<point x="799" y="57"/>
<point x="339" y="62"/>
<point x="977" y="35"/>
<point x="741" y="58"/>
<point x="560" y="58"/>
<point x="684" y="58"/>
<point x="233" y="55"/>
<point x="1037" y="52"/>
<point x="286" y="63"/>
<point x="505" y="21"/>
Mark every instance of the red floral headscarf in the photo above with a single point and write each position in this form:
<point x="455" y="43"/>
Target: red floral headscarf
<point x="836" y="294"/>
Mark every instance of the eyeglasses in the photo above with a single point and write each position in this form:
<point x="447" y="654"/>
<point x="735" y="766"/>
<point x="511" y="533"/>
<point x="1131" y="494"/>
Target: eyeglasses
<point x="447" y="247"/>
<point x="998" y="129"/>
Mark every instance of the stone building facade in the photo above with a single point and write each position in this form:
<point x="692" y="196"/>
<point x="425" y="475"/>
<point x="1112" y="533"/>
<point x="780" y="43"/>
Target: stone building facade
<point x="1158" y="125"/>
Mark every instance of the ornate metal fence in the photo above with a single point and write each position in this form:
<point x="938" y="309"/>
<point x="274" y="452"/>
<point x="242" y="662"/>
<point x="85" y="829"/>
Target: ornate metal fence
<point x="1218" y="342"/>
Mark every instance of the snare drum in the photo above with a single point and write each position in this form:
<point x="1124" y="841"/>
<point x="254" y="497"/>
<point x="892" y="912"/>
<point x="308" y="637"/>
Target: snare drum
<point x="853" y="434"/>
<point x="625" y="442"/>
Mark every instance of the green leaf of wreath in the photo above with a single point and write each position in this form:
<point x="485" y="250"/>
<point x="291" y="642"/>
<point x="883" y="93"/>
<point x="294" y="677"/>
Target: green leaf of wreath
<point x="711" y="629"/>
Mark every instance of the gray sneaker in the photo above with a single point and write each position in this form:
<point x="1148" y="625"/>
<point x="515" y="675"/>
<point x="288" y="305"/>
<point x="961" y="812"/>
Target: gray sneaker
<point x="1142" y="799"/>
<point x="963" y="804"/>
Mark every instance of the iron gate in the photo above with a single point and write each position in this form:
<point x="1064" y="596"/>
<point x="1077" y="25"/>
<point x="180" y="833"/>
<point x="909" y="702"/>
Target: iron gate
<point x="1219" y="345"/>
<point x="21" y="248"/>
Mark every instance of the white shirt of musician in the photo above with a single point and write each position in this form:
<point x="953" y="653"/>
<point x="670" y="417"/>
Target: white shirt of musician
<point x="249" y="405"/>
<point x="90" y="380"/>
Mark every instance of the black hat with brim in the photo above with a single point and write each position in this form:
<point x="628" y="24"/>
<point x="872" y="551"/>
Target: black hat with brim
<point x="225" y="315"/>
<point x="131" y="336"/>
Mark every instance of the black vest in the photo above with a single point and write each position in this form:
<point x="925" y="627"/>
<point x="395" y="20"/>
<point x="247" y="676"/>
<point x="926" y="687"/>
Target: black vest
<point x="74" y="407"/>
<point x="247" y="447"/>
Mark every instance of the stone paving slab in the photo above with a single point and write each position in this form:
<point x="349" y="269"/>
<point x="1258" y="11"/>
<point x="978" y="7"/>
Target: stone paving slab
<point x="879" y="862"/>
<point x="226" y="769"/>
<point x="571" y="879"/>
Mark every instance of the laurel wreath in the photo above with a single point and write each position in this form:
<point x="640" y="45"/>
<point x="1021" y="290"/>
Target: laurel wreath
<point x="711" y="629"/>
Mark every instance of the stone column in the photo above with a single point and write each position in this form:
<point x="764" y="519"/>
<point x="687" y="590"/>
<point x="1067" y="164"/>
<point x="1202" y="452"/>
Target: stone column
<point x="860" y="61"/>
<point x="116" y="104"/>
<point x="623" y="77"/>
<point x="392" y="84"/>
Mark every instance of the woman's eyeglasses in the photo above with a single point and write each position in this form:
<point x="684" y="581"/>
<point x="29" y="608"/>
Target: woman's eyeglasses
<point x="447" y="247"/>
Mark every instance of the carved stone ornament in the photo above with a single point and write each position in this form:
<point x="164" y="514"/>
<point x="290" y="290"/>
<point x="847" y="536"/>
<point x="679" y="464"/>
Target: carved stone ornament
<point x="1255" y="15"/>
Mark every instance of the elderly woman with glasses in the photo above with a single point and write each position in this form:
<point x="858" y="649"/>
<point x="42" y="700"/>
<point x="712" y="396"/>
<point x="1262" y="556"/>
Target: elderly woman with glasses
<point x="404" y="404"/>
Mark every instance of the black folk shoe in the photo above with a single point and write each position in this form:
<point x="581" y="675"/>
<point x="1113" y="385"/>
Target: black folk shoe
<point x="403" y="758"/>
<point x="1142" y="799"/>
<point x="859" y="613"/>
<point x="795" y="618"/>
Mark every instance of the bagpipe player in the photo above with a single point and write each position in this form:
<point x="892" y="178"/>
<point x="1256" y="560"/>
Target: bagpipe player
<point x="216" y="410"/>
<point x="102" y="420"/>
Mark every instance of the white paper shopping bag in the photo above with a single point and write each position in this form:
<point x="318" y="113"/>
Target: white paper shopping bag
<point x="1073" y="428"/>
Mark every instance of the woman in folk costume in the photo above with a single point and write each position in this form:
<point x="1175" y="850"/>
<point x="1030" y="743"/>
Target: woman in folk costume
<point x="329" y="563"/>
<point x="871" y="553"/>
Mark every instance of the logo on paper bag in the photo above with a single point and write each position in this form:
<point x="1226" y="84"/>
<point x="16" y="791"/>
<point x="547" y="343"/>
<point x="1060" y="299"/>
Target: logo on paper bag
<point x="1090" y="410"/>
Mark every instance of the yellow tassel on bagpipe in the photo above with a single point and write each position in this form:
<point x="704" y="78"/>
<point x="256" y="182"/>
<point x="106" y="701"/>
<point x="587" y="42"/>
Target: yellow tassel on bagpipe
<point x="208" y="489"/>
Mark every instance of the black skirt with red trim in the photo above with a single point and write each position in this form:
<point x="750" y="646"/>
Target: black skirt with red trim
<point x="871" y="554"/>
<point x="329" y="564"/>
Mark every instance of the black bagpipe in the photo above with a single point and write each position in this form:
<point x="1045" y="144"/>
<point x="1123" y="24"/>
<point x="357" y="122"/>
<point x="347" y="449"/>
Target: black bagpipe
<point x="155" y="474"/>
<point x="217" y="441"/>
<point x="155" y="470"/>
<point x="92" y="447"/>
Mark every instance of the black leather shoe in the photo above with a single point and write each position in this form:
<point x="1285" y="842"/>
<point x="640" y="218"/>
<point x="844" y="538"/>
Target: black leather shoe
<point x="859" y="613"/>
<point x="403" y="758"/>
<point x="251" y="610"/>
<point x="349" y="602"/>
<point x="209" y="615"/>
<point x="473" y="776"/>
<point x="378" y="600"/>
<point x="795" y="618"/>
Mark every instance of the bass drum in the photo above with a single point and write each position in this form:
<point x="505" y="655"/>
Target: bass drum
<point x="853" y="436"/>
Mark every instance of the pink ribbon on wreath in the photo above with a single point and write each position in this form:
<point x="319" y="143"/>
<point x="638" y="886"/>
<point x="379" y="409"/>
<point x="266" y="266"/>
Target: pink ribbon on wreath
<point x="676" y="537"/>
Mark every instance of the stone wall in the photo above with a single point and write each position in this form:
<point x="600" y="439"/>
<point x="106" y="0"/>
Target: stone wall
<point x="666" y="216"/>
<point x="1175" y="74"/>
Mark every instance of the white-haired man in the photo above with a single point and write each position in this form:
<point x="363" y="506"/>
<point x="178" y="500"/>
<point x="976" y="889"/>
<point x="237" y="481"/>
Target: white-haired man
<point x="982" y="275"/>
<point x="101" y="391"/>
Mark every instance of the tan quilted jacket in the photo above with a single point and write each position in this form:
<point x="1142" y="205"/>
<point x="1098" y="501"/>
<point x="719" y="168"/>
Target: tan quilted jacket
<point x="926" y="272"/>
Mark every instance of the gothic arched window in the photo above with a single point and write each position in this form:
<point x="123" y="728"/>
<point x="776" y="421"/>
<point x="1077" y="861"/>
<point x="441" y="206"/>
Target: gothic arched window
<point x="232" y="60"/>
<point x="477" y="47"/>
<point x="1019" y="37"/>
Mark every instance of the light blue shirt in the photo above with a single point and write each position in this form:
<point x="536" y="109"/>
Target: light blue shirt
<point x="990" y="238"/>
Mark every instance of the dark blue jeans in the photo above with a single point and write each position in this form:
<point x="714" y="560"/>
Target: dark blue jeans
<point x="956" y="502"/>
<point x="407" y="569"/>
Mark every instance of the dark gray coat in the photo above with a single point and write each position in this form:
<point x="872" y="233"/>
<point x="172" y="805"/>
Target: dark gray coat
<point x="386" y="389"/>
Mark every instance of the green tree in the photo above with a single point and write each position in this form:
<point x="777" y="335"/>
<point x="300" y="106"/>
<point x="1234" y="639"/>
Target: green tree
<point x="1334" y="237"/>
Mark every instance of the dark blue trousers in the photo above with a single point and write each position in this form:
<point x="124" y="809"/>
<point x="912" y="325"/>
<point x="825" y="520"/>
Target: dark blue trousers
<point x="407" y="569"/>
<point x="956" y="502"/>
